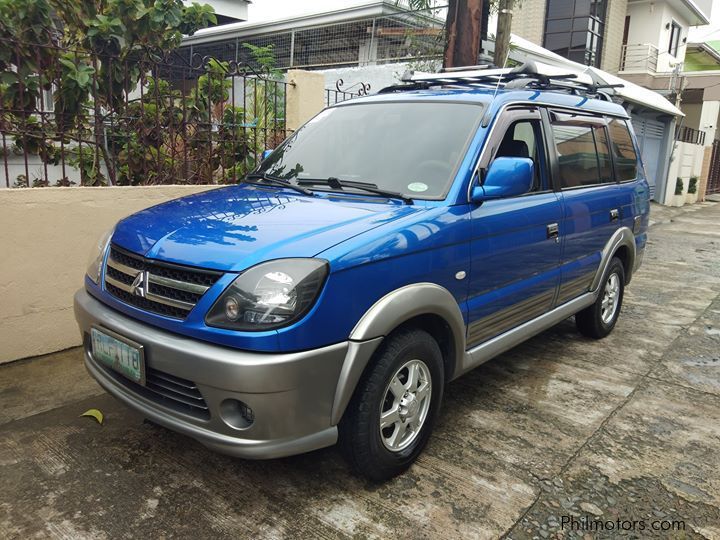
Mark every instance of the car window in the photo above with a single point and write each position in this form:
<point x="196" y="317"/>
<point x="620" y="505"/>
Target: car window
<point x="583" y="152"/>
<point x="522" y="139"/>
<point x="623" y="150"/>
<point x="409" y="147"/>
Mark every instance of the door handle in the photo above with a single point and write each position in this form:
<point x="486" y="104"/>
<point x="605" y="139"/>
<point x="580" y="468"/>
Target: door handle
<point x="553" y="231"/>
<point x="614" y="214"/>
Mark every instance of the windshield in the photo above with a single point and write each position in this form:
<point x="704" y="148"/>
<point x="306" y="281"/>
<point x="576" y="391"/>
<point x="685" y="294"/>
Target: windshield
<point x="409" y="148"/>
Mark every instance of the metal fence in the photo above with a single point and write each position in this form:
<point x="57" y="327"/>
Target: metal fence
<point x="713" y="184"/>
<point x="407" y="35"/>
<point x="341" y="93"/>
<point x="68" y="117"/>
<point x="689" y="135"/>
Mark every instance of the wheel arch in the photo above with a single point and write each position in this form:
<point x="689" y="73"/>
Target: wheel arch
<point x="425" y="305"/>
<point x="622" y="245"/>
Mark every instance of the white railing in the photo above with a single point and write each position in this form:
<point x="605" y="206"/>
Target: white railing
<point x="639" y="57"/>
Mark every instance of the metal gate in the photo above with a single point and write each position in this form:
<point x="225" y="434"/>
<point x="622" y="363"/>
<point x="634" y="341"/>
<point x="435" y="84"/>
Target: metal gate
<point x="713" y="184"/>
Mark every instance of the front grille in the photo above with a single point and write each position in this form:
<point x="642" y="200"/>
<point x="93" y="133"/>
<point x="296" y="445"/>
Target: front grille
<point x="162" y="288"/>
<point x="176" y="393"/>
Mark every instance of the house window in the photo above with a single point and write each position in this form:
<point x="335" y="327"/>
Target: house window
<point x="574" y="29"/>
<point x="674" y="44"/>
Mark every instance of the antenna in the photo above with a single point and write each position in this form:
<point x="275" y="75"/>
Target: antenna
<point x="497" y="86"/>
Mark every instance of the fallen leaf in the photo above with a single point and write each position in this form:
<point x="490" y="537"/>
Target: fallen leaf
<point x="94" y="413"/>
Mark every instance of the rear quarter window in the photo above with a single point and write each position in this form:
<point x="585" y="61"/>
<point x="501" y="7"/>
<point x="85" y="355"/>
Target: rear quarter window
<point x="623" y="150"/>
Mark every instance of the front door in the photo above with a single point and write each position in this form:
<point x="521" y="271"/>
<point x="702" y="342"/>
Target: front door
<point x="515" y="249"/>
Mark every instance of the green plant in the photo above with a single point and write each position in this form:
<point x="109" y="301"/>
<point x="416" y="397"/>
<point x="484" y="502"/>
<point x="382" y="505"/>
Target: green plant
<point x="93" y="55"/>
<point x="679" y="186"/>
<point x="692" y="185"/>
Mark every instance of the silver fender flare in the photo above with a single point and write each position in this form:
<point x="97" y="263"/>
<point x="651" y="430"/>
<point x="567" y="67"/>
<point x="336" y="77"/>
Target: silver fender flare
<point x="622" y="237"/>
<point x="383" y="317"/>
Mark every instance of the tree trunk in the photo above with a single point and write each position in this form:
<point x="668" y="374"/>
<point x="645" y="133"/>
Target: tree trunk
<point x="464" y="22"/>
<point x="502" y="40"/>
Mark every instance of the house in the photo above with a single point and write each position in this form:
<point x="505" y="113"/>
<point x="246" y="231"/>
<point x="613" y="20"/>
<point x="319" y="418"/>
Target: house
<point x="643" y="42"/>
<point x="227" y="11"/>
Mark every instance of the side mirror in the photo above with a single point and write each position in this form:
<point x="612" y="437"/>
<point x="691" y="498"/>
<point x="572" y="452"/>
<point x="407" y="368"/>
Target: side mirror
<point x="506" y="177"/>
<point x="265" y="154"/>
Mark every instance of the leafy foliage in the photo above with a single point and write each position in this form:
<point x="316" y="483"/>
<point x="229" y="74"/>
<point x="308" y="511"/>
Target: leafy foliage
<point x="679" y="186"/>
<point x="114" y="118"/>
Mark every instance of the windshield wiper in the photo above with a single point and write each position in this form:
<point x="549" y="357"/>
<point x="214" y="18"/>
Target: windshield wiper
<point x="277" y="181"/>
<point x="336" y="183"/>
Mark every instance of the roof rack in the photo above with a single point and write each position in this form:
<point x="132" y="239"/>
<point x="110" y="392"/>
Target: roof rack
<point x="531" y="76"/>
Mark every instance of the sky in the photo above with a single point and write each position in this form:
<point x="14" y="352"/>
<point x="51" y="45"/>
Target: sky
<point x="265" y="10"/>
<point x="709" y="32"/>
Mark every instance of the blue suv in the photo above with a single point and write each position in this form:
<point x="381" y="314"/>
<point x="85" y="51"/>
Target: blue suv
<point x="390" y="245"/>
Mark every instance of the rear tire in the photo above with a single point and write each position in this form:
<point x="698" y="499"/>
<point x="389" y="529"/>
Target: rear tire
<point x="598" y="320"/>
<point x="404" y="385"/>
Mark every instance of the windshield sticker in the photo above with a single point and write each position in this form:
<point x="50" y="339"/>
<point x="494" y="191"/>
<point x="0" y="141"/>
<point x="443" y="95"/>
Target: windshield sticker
<point x="417" y="187"/>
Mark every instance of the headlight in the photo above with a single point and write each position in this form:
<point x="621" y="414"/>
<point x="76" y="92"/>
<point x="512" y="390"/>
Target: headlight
<point x="269" y="295"/>
<point x="96" y="256"/>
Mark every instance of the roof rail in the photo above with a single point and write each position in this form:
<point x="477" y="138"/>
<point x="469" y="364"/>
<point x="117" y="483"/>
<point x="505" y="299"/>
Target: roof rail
<point x="531" y="75"/>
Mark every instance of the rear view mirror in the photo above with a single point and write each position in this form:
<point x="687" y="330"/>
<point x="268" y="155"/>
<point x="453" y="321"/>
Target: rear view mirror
<point x="506" y="177"/>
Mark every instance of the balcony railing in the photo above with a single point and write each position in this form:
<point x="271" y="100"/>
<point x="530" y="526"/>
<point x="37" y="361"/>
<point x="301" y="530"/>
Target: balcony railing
<point x="639" y="57"/>
<point x="689" y="135"/>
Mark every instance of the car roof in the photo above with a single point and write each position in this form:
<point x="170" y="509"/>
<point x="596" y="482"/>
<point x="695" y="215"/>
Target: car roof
<point x="496" y="98"/>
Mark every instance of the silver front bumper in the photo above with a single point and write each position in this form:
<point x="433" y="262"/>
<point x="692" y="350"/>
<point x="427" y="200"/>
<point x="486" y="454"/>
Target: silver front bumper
<point x="291" y="394"/>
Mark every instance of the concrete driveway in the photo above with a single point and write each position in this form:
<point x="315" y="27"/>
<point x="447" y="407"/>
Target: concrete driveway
<point x="559" y="431"/>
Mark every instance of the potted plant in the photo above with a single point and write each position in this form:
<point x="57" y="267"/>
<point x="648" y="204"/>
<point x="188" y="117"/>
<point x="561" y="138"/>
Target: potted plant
<point x="692" y="194"/>
<point x="679" y="198"/>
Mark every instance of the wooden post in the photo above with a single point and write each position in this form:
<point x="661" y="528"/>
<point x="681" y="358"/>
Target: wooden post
<point x="464" y="21"/>
<point x="502" y="39"/>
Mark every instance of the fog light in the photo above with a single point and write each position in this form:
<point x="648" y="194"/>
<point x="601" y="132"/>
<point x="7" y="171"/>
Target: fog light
<point x="237" y="414"/>
<point x="232" y="308"/>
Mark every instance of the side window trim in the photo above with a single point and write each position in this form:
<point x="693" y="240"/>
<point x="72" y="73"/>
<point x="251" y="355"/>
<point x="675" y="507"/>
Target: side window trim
<point x="497" y="132"/>
<point x="611" y="154"/>
<point x="503" y="120"/>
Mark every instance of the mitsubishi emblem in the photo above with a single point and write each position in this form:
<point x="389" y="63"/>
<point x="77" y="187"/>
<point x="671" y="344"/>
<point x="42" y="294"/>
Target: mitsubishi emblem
<point x="139" y="284"/>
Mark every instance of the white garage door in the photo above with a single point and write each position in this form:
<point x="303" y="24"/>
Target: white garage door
<point x="650" y="135"/>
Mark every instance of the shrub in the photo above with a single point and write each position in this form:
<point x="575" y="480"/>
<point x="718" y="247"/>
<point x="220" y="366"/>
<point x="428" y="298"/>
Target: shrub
<point x="692" y="186"/>
<point x="679" y="186"/>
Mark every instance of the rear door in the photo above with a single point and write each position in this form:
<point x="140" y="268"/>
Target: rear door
<point x="515" y="253"/>
<point x="583" y="174"/>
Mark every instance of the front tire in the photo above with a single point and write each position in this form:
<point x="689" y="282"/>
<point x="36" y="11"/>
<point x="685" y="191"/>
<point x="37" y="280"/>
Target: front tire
<point x="598" y="320"/>
<point x="390" y="418"/>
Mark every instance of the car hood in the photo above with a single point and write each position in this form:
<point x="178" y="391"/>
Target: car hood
<point x="233" y="228"/>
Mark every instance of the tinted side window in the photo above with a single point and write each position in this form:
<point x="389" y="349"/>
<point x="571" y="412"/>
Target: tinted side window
<point x="522" y="139"/>
<point x="623" y="150"/>
<point x="577" y="155"/>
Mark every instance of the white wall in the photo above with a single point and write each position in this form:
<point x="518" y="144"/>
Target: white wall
<point x="647" y="25"/>
<point x="47" y="238"/>
<point x="379" y="76"/>
<point x="692" y="114"/>
<point x="686" y="162"/>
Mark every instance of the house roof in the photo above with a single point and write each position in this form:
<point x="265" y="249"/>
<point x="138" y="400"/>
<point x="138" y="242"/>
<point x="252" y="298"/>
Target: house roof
<point x="353" y="10"/>
<point x="702" y="57"/>
<point x="524" y="50"/>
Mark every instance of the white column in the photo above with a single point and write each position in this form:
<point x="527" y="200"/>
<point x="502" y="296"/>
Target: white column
<point x="709" y="119"/>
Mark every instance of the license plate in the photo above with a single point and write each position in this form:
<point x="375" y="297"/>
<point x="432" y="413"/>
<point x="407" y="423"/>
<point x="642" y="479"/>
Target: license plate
<point x="118" y="353"/>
